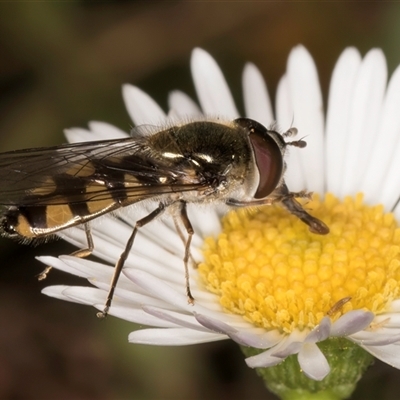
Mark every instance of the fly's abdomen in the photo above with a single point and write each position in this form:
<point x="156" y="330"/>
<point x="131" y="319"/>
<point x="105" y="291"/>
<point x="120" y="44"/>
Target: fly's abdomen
<point x="30" y="222"/>
<point x="36" y="221"/>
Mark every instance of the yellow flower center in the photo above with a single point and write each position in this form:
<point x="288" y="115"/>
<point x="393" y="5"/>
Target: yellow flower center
<point x="268" y="267"/>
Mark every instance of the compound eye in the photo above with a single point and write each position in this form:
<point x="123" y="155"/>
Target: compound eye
<point x="269" y="162"/>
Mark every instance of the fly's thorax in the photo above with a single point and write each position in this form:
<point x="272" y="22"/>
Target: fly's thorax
<point x="215" y="153"/>
<point x="239" y="159"/>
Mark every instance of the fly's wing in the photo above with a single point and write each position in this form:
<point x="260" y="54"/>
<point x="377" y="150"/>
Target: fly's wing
<point x="122" y="171"/>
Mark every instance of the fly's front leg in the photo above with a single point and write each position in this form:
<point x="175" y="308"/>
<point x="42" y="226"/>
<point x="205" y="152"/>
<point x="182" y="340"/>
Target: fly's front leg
<point x="121" y="261"/>
<point x="189" y="229"/>
<point x="288" y="200"/>
<point x="81" y="253"/>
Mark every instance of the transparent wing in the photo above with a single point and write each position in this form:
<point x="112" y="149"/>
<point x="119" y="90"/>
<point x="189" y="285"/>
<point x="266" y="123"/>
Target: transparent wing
<point x="92" y="171"/>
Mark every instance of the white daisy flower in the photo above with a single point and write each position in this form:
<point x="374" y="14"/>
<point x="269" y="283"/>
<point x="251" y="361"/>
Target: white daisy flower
<point x="265" y="281"/>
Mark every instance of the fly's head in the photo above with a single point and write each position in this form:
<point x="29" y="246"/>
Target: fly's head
<point x="268" y="148"/>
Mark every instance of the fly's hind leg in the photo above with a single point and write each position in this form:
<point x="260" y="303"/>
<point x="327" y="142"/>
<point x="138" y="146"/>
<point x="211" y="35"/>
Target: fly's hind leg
<point x="121" y="261"/>
<point x="189" y="229"/>
<point x="81" y="253"/>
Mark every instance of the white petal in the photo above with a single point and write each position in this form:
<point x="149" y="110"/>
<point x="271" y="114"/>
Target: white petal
<point x="129" y="293"/>
<point x="290" y="345"/>
<point x="159" y="289"/>
<point x="86" y="295"/>
<point x="182" y="105"/>
<point x="383" y="169"/>
<point x="320" y="332"/>
<point x="76" y="135"/>
<point x="172" y="337"/>
<point x="177" y="318"/>
<point x="243" y="337"/>
<point x="161" y="232"/>
<point x="395" y="306"/>
<point x="262" y="360"/>
<point x="141" y="107"/>
<point x="313" y="362"/>
<point x="137" y="316"/>
<point x="146" y="254"/>
<point x="211" y="87"/>
<point x="258" y="341"/>
<point x="389" y="354"/>
<point x="352" y="322"/>
<point x="366" y="107"/>
<point x="97" y="274"/>
<point x="396" y="211"/>
<point x="119" y="308"/>
<point x="214" y="325"/>
<point x="205" y="221"/>
<point x="103" y="131"/>
<point x="338" y="115"/>
<point x="57" y="292"/>
<point x="292" y="348"/>
<point x="284" y="105"/>
<point x="257" y="103"/>
<point x="390" y="320"/>
<point x="294" y="175"/>
<point x="78" y="267"/>
<point x="306" y="97"/>
<point x="376" y="338"/>
<point x="273" y="355"/>
<point x="375" y="332"/>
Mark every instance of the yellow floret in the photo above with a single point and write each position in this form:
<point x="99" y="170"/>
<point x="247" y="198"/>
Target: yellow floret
<point x="268" y="267"/>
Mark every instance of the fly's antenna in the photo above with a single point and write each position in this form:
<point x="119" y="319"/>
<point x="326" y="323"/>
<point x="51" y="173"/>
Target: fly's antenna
<point x="291" y="132"/>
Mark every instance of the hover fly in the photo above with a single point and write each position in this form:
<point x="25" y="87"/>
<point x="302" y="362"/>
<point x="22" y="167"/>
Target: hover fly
<point x="239" y="163"/>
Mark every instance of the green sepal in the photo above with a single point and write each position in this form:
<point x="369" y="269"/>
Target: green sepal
<point x="347" y="361"/>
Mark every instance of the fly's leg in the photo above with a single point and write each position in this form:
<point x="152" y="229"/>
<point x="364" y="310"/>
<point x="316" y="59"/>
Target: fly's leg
<point x="121" y="261"/>
<point x="189" y="229"/>
<point x="180" y="234"/>
<point x="288" y="200"/>
<point x="81" y="253"/>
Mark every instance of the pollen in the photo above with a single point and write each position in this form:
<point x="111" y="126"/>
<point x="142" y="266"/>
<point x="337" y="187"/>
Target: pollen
<point x="269" y="268"/>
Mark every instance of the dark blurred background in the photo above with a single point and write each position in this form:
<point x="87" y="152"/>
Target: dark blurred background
<point x="61" y="65"/>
